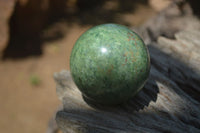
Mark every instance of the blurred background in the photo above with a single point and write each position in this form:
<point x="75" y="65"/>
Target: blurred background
<point x="36" y="38"/>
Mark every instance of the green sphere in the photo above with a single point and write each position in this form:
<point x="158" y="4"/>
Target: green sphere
<point x="109" y="64"/>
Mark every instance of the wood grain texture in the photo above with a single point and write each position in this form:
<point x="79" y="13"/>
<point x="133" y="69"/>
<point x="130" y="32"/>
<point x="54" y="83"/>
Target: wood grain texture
<point x="168" y="103"/>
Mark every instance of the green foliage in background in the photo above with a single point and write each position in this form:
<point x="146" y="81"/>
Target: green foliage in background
<point x="35" y="80"/>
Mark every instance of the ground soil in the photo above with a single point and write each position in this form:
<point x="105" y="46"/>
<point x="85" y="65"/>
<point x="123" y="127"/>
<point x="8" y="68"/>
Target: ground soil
<point x="28" y="103"/>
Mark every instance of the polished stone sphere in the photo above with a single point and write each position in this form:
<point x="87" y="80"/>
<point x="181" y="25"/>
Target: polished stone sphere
<point x="109" y="64"/>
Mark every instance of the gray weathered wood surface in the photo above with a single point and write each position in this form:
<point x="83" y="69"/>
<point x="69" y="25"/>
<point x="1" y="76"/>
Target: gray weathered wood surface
<point x="168" y="103"/>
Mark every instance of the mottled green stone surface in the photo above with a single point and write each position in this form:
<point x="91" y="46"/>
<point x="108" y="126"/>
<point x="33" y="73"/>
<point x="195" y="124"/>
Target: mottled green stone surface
<point x="109" y="64"/>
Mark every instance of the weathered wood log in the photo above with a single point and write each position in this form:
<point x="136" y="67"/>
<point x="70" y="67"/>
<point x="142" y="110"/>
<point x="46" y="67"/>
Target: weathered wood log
<point x="169" y="102"/>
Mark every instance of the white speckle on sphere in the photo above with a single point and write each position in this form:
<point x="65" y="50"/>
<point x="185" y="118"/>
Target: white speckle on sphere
<point x="103" y="50"/>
